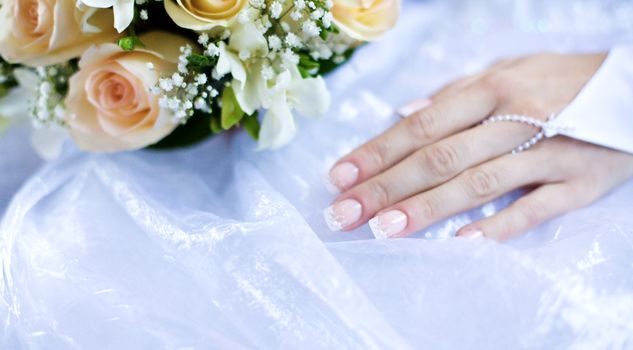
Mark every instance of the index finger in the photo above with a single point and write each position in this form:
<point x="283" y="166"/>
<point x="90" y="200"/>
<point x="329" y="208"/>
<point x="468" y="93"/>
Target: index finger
<point x="446" y="116"/>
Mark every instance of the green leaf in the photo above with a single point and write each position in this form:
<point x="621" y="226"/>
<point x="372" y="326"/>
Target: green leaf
<point x="334" y="29"/>
<point x="215" y="125"/>
<point x="307" y="62"/>
<point x="328" y="66"/>
<point x="308" y="67"/>
<point x="232" y="113"/>
<point x="324" y="34"/>
<point x="196" y="130"/>
<point x="199" y="62"/>
<point x="251" y="125"/>
<point x="304" y="73"/>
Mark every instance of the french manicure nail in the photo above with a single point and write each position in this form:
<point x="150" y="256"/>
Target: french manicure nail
<point x="342" y="214"/>
<point x="471" y="232"/>
<point x="341" y="177"/>
<point x="388" y="224"/>
<point x="413" y="107"/>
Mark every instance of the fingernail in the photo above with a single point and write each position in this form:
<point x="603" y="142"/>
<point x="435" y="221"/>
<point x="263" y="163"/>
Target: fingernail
<point x="413" y="107"/>
<point x="342" y="214"/>
<point x="341" y="177"/>
<point x="470" y="232"/>
<point x="389" y="224"/>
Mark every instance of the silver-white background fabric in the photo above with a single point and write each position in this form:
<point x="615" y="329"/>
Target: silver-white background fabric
<point x="222" y="247"/>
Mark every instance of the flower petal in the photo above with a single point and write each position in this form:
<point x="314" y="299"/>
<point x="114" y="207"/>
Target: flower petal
<point x="123" y="14"/>
<point x="278" y="126"/>
<point x="309" y="96"/>
<point x="48" y="141"/>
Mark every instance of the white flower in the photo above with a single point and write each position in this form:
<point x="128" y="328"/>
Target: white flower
<point x="275" y="9"/>
<point x="177" y="79"/>
<point x="289" y="58"/>
<point x="244" y="16"/>
<point x="201" y="79"/>
<point x="166" y="84"/>
<point x="327" y="20"/>
<point x="212" y="50"/>
<point x="310" y="28"/>
<point x="268" y="73"/>
<point x="338" y="59"/>
<point x="47" y="140"/>
<point x="309" y="97"/>
<point x="248" y="38"/>
<point x="296" y="15"/>
<point x="258" y="3"/>
<point x="292" y="40"/>
<point x="278" y="126"/>
<point x="203" y="39"/>
<point x="229" y="62"/>
<point x="274" y="43"/>
<point x="318" y="13"/>
<point x="123" y="11"/>
<point x="245" y="55"/>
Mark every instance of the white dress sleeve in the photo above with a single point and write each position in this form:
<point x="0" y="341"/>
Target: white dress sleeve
<point x="602" y="113"/>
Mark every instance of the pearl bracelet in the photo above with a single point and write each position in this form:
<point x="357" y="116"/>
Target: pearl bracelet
<point x="546" y="129"/>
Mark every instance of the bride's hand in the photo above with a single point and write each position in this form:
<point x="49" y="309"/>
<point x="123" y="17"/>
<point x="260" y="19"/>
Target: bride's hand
<point x="440" y="161"/>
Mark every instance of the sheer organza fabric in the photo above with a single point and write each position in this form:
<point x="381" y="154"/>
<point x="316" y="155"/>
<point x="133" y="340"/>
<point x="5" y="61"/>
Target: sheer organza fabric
<point x="223" y="247"/>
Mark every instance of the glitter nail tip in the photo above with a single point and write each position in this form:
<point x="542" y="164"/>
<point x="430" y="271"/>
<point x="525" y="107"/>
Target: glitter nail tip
<point x="376" y="228"/>
<point x="331" y="221"/>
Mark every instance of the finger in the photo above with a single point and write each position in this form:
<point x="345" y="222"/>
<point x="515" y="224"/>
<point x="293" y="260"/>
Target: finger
<point x="456" y="86"/>
<point x="434" y="165"/>
<point x="538" y="206"/>
<point x="414" y="106"/>
<point x="462" y="83"/>
<point x="468" y="190"/>
<point x="419" y="104"/>
<point x="443" y="118"/>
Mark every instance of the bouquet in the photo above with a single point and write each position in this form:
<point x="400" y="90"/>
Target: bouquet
<point x="121" y="75"/>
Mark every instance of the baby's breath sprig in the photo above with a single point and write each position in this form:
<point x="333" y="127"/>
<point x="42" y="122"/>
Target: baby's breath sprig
<point x="189" y="89"/>
<point x="48" y="105"/>
<point x="298" y="34"/>
<point x="305" y="35"/>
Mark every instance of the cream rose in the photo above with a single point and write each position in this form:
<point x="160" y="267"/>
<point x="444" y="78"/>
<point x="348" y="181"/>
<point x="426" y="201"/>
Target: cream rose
<point x="43" y="32"/>
<point x="109" y="104"/>
<point x="365" y="19"/>
<point x="203" y="14"/>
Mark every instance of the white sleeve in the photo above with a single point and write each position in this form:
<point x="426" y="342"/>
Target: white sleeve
<point x="602" y="113"/>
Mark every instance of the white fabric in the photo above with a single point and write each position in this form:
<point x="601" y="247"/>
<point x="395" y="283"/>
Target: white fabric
<point x="222" y="247"/>
<point x="18" y="161"/>
<point x="602" y="113"/>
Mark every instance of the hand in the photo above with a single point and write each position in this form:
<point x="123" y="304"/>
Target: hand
<point x="440" y="160"/>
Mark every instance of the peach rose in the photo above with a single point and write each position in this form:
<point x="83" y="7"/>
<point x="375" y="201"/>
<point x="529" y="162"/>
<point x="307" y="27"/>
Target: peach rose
<point x="44" y="32"/>
<point x="365" y="20"/>
<point x="109" y="104"/>
<point x="203" y="14"/>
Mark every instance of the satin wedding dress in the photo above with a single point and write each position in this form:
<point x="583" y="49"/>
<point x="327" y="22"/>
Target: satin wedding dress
<point x="222" y="247"/>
